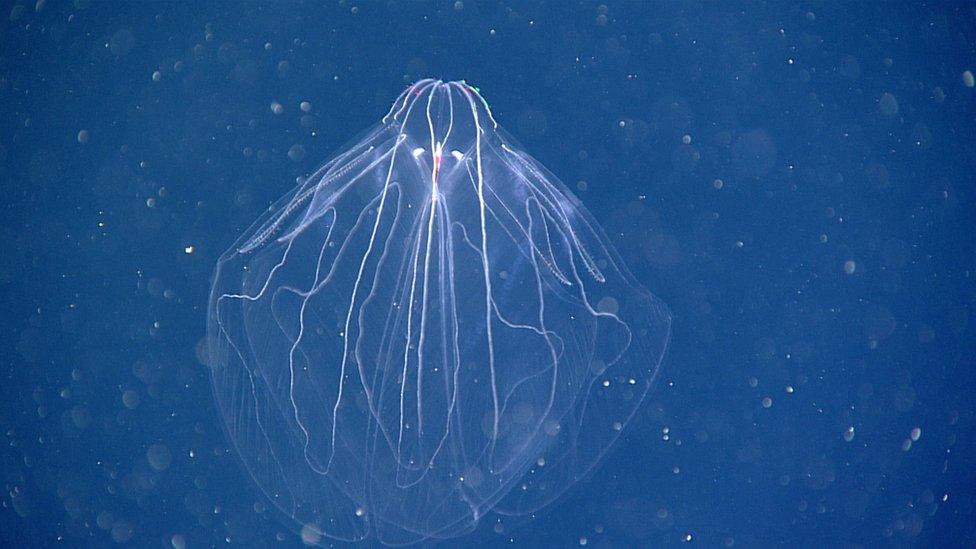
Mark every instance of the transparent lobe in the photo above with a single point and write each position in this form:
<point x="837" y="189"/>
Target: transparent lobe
<point x="429" y="328"/>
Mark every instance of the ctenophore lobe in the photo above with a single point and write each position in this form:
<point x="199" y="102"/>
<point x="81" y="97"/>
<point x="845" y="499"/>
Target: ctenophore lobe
<point x="430" y="328"/>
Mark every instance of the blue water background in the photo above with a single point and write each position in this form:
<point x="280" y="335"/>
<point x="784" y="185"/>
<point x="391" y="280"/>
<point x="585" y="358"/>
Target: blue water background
<point x="795" y="179"/>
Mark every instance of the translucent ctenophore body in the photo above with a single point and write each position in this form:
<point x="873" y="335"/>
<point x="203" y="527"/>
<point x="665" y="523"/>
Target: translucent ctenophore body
<point x="430" y="328"/>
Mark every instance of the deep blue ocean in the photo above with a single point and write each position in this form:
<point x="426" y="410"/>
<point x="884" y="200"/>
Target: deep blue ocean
<point x="795" y="180"/>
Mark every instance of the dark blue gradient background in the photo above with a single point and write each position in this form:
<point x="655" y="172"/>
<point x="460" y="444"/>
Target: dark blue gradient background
<point x="795" y="179"/>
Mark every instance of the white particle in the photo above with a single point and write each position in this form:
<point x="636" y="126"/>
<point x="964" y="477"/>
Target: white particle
<point x="916" y="434"/>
